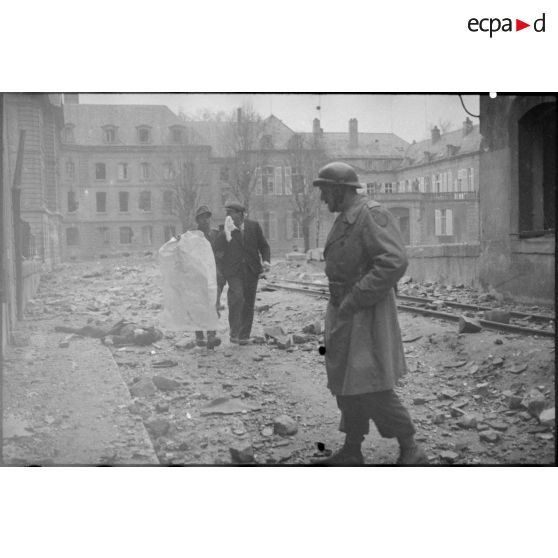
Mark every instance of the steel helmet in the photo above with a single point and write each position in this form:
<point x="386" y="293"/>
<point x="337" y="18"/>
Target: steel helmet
<point x="337" y="173"/>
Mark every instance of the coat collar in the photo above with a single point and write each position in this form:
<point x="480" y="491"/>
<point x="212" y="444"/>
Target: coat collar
<point x="351" y="213"/>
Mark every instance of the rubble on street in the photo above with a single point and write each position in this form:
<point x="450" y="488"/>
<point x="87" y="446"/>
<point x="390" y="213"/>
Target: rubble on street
<point x="482" y="398"/>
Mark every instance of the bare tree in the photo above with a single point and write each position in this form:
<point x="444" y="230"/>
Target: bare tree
<point x="305" y="160"/>
<point x="241" y="136"/>
<point x="190" y="177"/>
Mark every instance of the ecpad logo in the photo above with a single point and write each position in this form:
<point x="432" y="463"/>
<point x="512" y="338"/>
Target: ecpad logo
<point x="493" y="25"/>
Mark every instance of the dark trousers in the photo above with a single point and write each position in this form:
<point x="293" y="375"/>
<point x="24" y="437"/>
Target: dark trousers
<point x="221" y="282"/>
<point x="241" y="298"/>
<point x="384" y="407"/>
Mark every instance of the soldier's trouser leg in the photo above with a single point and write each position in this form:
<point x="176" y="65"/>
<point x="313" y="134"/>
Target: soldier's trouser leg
<point x="235" y="298"/>
<point x="200" y="340"/>
<point x="250" y="288"/>
<point x="384" y="407"/>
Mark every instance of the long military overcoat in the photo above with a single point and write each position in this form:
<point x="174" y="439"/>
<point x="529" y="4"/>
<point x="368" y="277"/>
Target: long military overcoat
<point x="364" y="250"/>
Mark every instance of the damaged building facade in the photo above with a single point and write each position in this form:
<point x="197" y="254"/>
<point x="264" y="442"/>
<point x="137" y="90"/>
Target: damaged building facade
<point x="130" y="178"/>
<point x="518" y="195"/>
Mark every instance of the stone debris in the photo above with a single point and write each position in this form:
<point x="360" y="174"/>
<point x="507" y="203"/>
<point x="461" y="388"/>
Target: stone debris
<point x="165" y="384"/>
<point x="285" y="426"/>
<point x="158" y="427"/>
<point x="548" y="417"/>
<point x="242" y="455"/>
<point x="468" y="325"/>
<point x="468" y="421"/>
<point x="534" y="402"/>
<point x="449" y="457"/>
<point x="143" y="388"/>
<point x="491" y="436"/>
<point x="227" y="406"/>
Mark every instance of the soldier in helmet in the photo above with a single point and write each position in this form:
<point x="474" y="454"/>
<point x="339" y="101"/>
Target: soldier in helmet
<point x="365" y="258"/>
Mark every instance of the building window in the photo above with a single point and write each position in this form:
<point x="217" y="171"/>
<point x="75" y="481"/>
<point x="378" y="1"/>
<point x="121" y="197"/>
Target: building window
<point x="294" y="228"/>
<point x="259" y="187"/>
<point x="72" y="236"/>
<point x="70" y="170"/>
<point x="297" y="179"/>
<point x="73" y="203"/>
<point x="267" y="180"/>
<point x="168" y="202"/>
<point x="100" y="171"/>
<point x="101" y="199"/>
<point x="68" y="134"/>
<point x="177" y="134"/>
<point x="278" y="181"/>
<point x="266" y="142"/>
<point x="104" y="233"/>
<point x="123" y="199"/>
<point x="147" y="235"/>
<point x="288" y="181"/>
<point x="471" y="179"/>
<point x="443" y="222"/>
<point x="109" y="134"/>
<point x="144" y="203"/>
<point x="270" y="225"/>
<point x="122" y="171"/>
<point x="126" y="235"/>
<point x="168" y="232"/>
<point x="144" y="134"/>
<point x="224" y="174"/>
<point x="145" y="171"/>
<point x="388" y="188"/>
<point x="168" y="171"/>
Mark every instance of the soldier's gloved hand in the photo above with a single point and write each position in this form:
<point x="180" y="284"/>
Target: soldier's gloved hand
<point x="266" y="266"/>
<point x="347" y="307"/>
<point x="229" y="227"/>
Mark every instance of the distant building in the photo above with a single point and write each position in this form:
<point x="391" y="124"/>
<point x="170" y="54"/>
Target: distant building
<point x="518" y="186"/>
<point x="433" y="190"/>
<point x="121" y="168"/>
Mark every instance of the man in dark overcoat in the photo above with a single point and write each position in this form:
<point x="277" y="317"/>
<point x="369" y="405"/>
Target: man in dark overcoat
<point x="364" y="259"/>
<point x="243" y="253"/>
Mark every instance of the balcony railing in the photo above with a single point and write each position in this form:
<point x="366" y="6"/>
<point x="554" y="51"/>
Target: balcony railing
<point x="469" y="196"/>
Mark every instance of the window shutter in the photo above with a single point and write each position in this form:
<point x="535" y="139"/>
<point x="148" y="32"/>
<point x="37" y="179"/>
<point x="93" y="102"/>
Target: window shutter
<point x="259" y="190"/>
<point x="472" y="171"/>
<point x="450" y="183"/>
<point x="444" y="182"/>
<point x="433" y="184"/>
<point x="437" y="222"/>
<point x="278" y="181"/>
<point x="449" y="222"/>
<point x="288" y="181"/>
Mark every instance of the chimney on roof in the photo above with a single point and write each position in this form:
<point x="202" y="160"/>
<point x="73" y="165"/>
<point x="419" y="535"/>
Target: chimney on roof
<point x="435" y="134"/>
<point x="316" y="130"/>
<point x="71" y="98"/>
<point x="353" y="132"/>
<point x="467" y="126"/>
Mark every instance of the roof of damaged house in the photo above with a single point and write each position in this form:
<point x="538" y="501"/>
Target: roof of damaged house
<point x="446" y="146"/>
<point x="89" y="121"/>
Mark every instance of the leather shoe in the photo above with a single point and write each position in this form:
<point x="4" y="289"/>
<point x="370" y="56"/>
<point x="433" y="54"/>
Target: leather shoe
<point x="413" y="455"/>
<point x="344" y="456"/>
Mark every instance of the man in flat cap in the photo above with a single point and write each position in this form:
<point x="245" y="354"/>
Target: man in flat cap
<point x="244" y="253"/>
<point x="365" y="257"/>
<point x="203" y="220"/>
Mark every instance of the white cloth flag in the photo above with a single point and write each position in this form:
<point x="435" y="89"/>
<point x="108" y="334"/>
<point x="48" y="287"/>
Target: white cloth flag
<point x="189" y="284"/>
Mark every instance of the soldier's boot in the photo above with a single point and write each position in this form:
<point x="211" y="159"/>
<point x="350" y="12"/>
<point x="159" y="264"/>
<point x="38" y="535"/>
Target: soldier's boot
<point x="212" y="340"/>
<point x="200" y="340"/>
<point x="410" y="453"/>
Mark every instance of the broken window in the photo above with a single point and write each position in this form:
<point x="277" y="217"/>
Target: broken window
<point x="100" y="171"/>
<point x="123" y="198"/>
<point x="72" y="236"/>
<point x="126" y="235"/>
<point x="122" y="171"/>
<point x="73" y="203"/>
<point x="145" y="201"/>
<point x="101" y="199"/>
